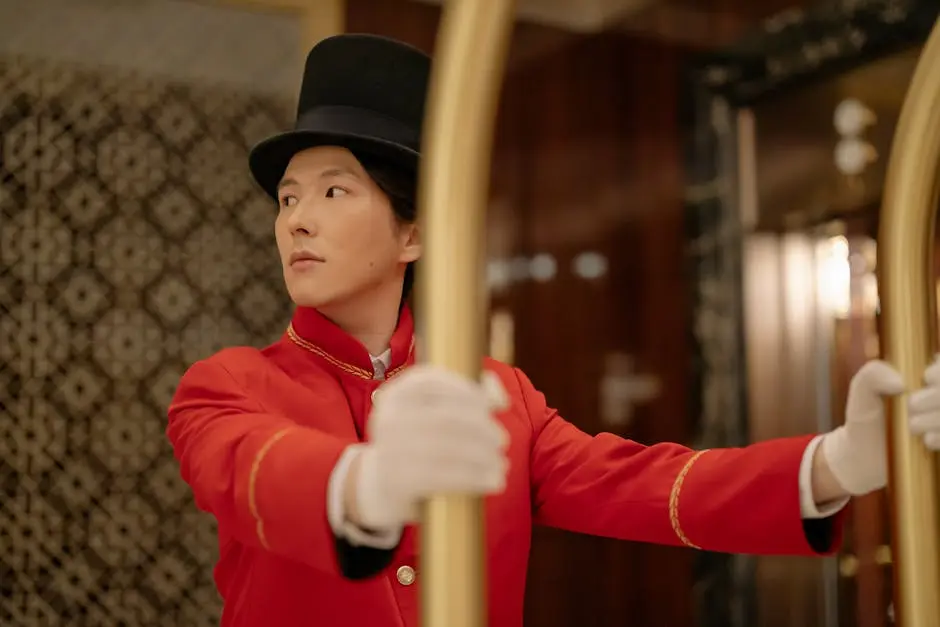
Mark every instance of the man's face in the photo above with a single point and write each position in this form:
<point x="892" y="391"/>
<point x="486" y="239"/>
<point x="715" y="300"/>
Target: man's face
<point x="336" y="232"/>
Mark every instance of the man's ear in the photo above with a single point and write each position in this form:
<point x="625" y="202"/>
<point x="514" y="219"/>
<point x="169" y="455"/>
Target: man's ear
<point x="411" y="251"/>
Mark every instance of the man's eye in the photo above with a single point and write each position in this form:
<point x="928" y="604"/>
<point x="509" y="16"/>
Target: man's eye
<point x="335" y="191"/>
<point x="288" y="201"/>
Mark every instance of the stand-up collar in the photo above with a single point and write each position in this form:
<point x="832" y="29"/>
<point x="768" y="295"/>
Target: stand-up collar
<point x="314" y="332"/>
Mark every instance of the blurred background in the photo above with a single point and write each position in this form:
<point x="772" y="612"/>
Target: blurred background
<point x="681" y="240"/>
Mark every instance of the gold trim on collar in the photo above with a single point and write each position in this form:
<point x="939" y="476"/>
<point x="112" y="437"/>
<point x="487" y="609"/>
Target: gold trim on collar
<point x="362" y="373"/>
<point x="397" y="370"/>
<point x="356" y="371"/>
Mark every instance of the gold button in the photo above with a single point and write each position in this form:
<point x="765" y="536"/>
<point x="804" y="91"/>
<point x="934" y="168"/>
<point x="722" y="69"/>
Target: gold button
<point x="406" y="575"/>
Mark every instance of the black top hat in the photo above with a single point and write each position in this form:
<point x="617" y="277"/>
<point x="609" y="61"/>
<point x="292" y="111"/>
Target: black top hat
<point x="362" y="92"/>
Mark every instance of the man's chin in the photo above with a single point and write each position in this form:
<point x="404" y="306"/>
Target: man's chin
<point x="310" y="296"/>
<point x="303" y="298"/>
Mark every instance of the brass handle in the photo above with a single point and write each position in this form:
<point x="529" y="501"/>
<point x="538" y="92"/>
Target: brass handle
<point x="883" y="555"/>
<point x="905" y="249"/>
<point x="467" y="72"/>
<point x="848" y="566"/>
<point x="849" y="563"/>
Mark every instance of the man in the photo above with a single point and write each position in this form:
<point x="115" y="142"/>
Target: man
<point x="314" y="477"/>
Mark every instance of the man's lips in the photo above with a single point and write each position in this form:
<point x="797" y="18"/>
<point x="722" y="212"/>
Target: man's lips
<point x="304" y="259"/>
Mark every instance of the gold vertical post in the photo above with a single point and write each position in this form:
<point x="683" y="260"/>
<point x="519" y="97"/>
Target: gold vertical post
<point x="909" y="302"/>
<point x="466" y="78"/>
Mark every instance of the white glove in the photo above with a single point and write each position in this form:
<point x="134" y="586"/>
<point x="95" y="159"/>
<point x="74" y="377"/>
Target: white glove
<point x="430" y="432"/>
<point x="924" y="408"/>
<point x="856" y="452"/>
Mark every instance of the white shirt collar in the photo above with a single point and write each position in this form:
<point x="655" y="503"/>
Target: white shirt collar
<point x="380" y="363"/>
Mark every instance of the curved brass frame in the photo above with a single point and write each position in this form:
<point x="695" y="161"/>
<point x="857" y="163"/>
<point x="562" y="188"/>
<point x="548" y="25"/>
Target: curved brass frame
<point x="471" y="53"/>
<point x="467" y="75"/>
<point x="905" y="250"/>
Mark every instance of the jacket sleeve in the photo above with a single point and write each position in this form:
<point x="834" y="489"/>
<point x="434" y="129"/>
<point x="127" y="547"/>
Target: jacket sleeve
<point x="735" y="500"/>
<point x="262" y="476"/>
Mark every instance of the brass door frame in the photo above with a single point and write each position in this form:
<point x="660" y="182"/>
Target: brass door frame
<point x="471" y="54"/>
<point x="905" y="250"/>
<point x="467" y="74"/>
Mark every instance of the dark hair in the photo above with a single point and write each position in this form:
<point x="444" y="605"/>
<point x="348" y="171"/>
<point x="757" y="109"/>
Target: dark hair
<point x="400" y="184"/>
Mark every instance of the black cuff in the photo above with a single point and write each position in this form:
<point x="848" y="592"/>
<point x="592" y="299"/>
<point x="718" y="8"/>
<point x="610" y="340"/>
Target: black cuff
<point x="361" y="562"/>
<point x="820" y="533"/>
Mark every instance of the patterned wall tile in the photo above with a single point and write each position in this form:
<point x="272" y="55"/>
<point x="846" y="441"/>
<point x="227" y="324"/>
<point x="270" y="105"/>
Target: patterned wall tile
<point x="132" y="244"/>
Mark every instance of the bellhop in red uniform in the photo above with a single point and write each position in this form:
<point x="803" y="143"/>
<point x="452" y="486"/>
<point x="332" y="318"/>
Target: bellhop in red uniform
<point x="313" y="452"/>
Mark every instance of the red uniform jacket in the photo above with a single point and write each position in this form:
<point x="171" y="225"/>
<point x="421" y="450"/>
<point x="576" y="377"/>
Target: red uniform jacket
<point x="257" y="433"/>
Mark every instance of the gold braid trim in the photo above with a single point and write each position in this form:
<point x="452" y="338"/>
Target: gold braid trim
<point x="674" y="501"/>
<point x="362" y="373"/>
<point x="394" y="371"/>
<point x="253" y="477"/>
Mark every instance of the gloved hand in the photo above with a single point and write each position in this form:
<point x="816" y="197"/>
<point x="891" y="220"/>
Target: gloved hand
<point x="856" y="452"/>
<point x="430" y="432"/>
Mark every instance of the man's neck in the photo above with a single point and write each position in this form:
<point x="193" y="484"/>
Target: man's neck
<point x="371" y="319"/>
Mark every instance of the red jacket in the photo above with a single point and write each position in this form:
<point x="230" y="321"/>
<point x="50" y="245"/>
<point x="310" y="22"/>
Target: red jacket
<point x="257" y="433"/>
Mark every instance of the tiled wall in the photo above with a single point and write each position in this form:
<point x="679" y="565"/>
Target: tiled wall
<point x="131" y="244"/>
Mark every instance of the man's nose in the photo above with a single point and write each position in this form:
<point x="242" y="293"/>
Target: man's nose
<point x="302" y="219"/>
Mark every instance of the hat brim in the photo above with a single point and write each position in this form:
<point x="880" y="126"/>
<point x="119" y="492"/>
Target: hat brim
<point x="269" y="158"/>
